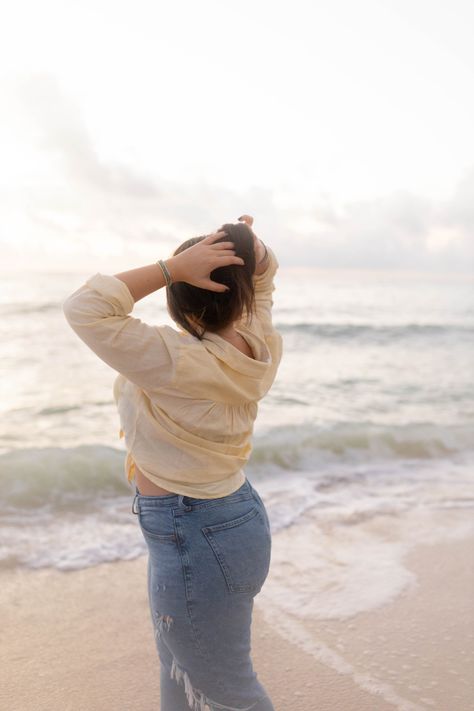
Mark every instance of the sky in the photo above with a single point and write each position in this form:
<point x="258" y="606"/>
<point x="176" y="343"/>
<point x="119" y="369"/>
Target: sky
<point x="345" y="129"/>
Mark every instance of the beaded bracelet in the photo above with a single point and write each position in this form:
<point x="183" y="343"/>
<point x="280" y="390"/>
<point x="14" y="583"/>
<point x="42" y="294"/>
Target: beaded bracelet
<point x="165" y="271"/>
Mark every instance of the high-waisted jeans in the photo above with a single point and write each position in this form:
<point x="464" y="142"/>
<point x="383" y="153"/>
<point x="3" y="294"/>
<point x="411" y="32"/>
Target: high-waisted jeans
<point x="208" y="559"/>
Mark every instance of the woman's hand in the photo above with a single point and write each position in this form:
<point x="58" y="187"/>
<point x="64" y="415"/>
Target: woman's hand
<point x="194" y="264"/>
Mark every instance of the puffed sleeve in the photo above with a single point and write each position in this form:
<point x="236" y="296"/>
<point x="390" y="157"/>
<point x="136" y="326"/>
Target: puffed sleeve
<point x="98" y="312"/>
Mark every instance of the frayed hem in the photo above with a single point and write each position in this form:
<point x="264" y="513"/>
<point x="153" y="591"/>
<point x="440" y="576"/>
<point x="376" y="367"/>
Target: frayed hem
<point x="196" y="699"/>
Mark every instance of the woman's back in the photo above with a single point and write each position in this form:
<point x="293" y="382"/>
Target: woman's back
<point x="187" y="406"/>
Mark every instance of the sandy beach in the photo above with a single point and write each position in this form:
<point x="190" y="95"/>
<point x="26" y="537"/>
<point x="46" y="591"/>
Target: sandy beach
<point x="81" y="640"/>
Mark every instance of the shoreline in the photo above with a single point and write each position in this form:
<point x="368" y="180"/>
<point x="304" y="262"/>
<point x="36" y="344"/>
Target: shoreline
<point x="83" y="639"/>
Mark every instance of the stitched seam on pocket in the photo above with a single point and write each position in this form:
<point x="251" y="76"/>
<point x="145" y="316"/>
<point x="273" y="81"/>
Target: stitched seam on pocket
<point x="233" y="587"/>
<point x="208" y="532"/>
<point x="219" y="557"/>
<point x="231" y="524"/>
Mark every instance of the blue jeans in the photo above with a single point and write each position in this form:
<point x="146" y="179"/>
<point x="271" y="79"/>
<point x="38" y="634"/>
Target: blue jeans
<point x="208" y="558"/>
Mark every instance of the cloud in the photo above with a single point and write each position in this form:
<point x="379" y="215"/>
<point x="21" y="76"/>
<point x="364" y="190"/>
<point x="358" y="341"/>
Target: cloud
<point x="396" y="231"/>
<point x="78" y="205"/>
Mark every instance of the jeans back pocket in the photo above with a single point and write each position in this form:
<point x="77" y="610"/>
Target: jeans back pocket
<point x="242" y="547"/>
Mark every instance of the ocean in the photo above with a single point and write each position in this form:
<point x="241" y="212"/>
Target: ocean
<point x="366" y="434"/>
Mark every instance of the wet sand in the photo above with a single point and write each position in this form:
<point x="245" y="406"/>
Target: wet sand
<point x="82" y="641"/>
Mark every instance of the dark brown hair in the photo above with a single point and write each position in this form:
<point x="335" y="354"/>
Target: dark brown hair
<point x="215" y="310"/>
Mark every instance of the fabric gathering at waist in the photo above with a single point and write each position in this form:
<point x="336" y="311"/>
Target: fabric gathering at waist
<point x="205" y="481"/>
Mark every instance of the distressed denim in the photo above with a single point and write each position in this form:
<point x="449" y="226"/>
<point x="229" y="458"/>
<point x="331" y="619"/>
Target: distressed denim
<point x="207" y="560"/>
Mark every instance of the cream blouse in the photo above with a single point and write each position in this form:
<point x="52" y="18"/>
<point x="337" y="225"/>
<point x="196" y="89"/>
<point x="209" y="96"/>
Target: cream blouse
<point x="186" y="407"/>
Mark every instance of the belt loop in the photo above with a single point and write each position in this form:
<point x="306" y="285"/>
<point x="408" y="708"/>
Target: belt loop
<point x="181" y="502"/>
<point x="137" y="493"/>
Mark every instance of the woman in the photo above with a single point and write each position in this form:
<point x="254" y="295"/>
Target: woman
<point x="187" y="401"/>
